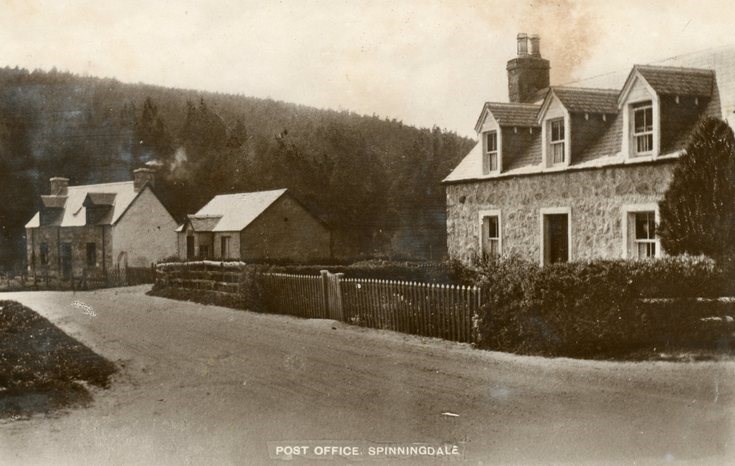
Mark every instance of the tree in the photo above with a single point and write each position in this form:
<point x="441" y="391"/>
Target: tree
<point x="698" y="209"/>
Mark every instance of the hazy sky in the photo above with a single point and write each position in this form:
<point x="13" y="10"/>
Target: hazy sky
<point x="425" y="62"/>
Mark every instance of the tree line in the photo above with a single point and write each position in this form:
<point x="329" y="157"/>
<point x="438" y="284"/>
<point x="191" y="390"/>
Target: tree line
<point x="374" y="180"/>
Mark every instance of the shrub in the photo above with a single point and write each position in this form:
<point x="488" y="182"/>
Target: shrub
<point x="596" y="308"/>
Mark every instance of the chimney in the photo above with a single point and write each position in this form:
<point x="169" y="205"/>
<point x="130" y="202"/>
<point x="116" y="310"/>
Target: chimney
<point x="534" y="45"/>
<point x="59" y="186"/>
<point x="143" y="176"/>
<point x="528" y="73"/>
<point x="522" y="42"/>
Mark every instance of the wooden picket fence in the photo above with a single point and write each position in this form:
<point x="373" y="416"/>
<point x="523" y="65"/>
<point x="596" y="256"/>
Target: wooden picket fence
<point x="428" y="309"/>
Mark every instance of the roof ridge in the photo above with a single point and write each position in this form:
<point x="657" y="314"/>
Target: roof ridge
<point x="100" y="184"/>
<point x="253" y="192"/>
<point x="514" y="104"/>
<point x="676" y="68"/>
<point x="582" y="88"/>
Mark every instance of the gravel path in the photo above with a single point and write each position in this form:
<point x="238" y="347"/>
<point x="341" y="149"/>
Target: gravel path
<point x="209" y="385"/>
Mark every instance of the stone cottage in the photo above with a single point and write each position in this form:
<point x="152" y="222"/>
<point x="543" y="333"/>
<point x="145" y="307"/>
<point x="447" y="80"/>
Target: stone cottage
<point x="94" y="228"/>
<point x="257" y="226"/>
<point x="573" y="173"/>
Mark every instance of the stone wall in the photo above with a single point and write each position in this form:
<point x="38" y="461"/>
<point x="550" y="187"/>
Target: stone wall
<point x="595" y="197"/>
<point x="285" y="231"/>
<point x="78" y="237"/>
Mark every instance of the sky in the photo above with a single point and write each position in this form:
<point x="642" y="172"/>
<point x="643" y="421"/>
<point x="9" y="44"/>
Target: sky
<point x="425" y="62"/>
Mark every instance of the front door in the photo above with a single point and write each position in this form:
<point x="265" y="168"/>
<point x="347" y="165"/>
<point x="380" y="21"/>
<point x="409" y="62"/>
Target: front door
<point x="556" y="241"/>
<point x="190" y="247"/>
<point x="66" y="261"/>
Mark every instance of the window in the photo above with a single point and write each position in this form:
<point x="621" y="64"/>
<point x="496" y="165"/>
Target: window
<point x="490" y="161"/>
<point x="556" y="141"/>
<point x="44" y="253"/>
<point x="491" y="236"/>
<point x="643" y="127"/>
<point x="91" y="255"/>
<point x="225" y="247"/>
<point x="204" y="251"/>
<point x="645" y="234"/>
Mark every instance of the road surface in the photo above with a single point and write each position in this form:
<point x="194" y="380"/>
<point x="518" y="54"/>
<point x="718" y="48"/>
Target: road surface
<point x="210" y="385"/>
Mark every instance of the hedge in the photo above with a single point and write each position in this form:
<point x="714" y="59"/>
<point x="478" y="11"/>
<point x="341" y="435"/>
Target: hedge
<point x="602" y="308"/>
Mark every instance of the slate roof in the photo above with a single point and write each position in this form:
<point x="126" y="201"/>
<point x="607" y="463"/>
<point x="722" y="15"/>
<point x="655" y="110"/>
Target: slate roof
<point x="75" y="213"/>
<point x="605" y="148"/>
<point x="513" y="114"/>
<point x="100" y="199"/>
<point x="202" y="223"/>
<point x="234" y="212"/>
<point x="669" y="80"/>
<point x="579" y="99"/>
<point x="53" y="202"/>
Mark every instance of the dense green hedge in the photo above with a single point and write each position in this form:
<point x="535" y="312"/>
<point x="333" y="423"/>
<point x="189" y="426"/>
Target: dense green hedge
<point x="599" y="308"/>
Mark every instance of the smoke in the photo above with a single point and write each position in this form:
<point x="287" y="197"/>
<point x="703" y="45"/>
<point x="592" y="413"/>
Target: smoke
<point x="567" y="29"/>
<point x="179" y="159"/>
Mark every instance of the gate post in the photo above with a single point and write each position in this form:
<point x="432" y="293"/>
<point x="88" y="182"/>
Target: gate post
<point x="338" y="309"/>
<point x="325" y="292"/>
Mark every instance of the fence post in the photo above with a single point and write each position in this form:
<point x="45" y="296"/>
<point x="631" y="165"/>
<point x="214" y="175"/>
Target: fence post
<point x="325" y="291"/>
<point x="339" y="309"/>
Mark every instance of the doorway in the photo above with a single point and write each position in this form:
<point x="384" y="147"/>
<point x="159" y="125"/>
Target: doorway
<point x="555" y="241"/>
<point x="66" y="261"/>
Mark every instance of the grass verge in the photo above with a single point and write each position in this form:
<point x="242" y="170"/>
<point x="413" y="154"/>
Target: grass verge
<point x="42" y="368"/>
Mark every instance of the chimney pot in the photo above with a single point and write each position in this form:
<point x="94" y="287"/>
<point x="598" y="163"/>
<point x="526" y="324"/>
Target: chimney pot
<point x="522" y="42"/>
<point x="143" y="176"/>
<point x="534" y="42"/>
<point x="59" y="186"/>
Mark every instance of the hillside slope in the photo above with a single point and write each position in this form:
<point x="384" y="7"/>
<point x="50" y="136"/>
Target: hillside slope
<point x="376" y="181"/>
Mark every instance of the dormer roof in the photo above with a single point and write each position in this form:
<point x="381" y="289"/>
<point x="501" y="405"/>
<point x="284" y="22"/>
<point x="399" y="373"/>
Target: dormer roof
<point x="99" y="199"/>
<point x="671" y="80"/>
<point x="53" y="202"/>
<point x="509" y="114"/>
<point x="581" y="100"/>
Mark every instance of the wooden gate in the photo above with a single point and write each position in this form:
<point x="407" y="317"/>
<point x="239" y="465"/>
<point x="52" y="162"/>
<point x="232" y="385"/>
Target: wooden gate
<point x="333" y="295"/>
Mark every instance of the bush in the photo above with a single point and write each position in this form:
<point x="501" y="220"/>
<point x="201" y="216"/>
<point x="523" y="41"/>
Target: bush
<point x="593" y="309"/>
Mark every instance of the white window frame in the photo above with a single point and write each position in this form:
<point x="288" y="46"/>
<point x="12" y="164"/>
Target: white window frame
<point x="626" y="107"/>
<point x="481" y="217"/>
<point x="543" y="212"/>
<point x="558" y="142"/>
<point x="487" y="153"/>
<point x="628" y="210"/>
<point x="635" y="108"/>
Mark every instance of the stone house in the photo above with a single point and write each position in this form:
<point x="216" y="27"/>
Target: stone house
<point x="574" y="173"/>
<point x="257" y="226"/>
<point x="94" y="228"/>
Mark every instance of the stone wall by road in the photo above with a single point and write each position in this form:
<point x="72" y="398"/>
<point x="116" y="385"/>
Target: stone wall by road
<point x="595" y="197"/>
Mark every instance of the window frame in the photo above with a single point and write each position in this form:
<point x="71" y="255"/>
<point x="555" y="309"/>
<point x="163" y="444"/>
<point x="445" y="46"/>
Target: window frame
<point x="553" y="143"/>
<point x="488" y="154"/>
<point x="636" y="107"/>
<point x="482" y="215"/>
<point x="629" y="211"/>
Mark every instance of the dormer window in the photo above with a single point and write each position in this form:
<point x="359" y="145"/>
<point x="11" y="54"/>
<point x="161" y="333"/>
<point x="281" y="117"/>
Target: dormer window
<point x="490" y="159"/>
<point x="556" y="141"/>
<point x="643" y="128"/>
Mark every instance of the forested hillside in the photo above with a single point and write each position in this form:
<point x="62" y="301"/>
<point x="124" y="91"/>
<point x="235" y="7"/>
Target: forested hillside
<point x="375" y="181"/>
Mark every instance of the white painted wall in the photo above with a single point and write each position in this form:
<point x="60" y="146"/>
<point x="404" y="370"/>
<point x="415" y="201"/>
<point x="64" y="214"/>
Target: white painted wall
<point x="146" y="232"/>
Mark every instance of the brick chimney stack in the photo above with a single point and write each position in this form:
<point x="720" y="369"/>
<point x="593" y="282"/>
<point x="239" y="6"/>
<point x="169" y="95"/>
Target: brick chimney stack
<point x="528" y="73"/>
<point x="59" y="186"/>
<point x="143" y="176"/>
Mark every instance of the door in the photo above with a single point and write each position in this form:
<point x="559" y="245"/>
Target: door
<point x="190" y="247"/>
<point x="66" y="261"/>
<point x="556" y="241"/>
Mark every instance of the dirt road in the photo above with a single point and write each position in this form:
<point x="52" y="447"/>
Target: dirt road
<point x="209" y="385"/>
